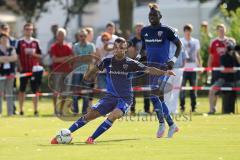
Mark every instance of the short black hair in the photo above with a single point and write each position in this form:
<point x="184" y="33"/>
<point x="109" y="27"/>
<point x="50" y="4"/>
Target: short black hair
<point x="120" y="40"/>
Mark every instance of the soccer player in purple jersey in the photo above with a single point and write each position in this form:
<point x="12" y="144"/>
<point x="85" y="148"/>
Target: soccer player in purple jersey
<point x="156" y="40"/>
<point x="119" y="94"/>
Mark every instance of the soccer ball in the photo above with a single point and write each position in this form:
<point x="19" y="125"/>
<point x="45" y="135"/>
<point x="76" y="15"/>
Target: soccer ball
<point x="64" y="136"/>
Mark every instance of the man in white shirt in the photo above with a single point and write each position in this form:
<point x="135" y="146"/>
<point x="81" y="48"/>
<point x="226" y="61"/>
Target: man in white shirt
<point x="110" y="28"/>
<point x="101" y="52"/>
<point x="192" y="48"/>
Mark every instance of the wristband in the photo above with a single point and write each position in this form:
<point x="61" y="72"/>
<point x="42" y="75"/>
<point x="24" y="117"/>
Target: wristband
<point x="174" y="59"/>
<point x="138" y="57"/>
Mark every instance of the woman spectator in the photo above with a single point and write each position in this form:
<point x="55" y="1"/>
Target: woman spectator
<point x="8" y="57"/>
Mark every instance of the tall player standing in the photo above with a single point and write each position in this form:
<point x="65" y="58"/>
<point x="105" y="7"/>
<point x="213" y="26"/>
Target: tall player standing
<point x="156" y="40"/>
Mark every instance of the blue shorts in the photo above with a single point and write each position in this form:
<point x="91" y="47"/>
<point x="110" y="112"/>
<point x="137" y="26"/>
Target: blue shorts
<point x="109" y="102"/>
<point x="158" y="82"/>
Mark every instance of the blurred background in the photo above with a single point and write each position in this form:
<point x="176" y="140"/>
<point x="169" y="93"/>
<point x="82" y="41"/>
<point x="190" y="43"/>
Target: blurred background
<point x="73" y="14"/>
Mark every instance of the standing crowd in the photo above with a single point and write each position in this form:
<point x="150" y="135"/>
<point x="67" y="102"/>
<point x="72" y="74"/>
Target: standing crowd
<point x="25" y="56"/>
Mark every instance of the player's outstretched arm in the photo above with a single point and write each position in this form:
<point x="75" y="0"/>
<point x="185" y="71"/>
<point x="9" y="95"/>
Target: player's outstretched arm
<point x="158" y="72"/>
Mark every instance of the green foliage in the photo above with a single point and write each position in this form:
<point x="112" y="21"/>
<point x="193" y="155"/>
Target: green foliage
<point x="74" y="8"/>
<point x="205" y="39"/>
<point x="29" y="9"/>
<point x="231" y="19"/>
<point x="234" y="25"/>
<point x="230" y="5"/>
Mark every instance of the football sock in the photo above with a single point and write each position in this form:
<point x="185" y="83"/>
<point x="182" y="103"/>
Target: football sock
<point x="78" y="124"/>
<point x="158" y="109"/>
<point x="102" y="128"/>
<point x="167" y="116"/>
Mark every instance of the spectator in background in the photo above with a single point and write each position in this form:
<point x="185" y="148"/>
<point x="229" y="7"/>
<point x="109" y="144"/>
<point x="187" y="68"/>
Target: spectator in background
<point x="227" y="78"/>
<point x="90" y="35"/>
<point x="83" y="47"/>
<point x="205" y="39"/>
<point x="5" y="29"/>
<point x="205" y="30"/>
<point x="47" y="61"/>
<point x="237" y="49"/>
<point x="100" y="53"/>
<point x="172" y="97"/>
<point x="100" y="41"/>
<point x="107" y="37"/>
<point x="133" y="52"/>
<point x="217" y="48"/>
<point x="54" y="29"/>
<point x="192" y="48"/>
<point x="29" y="54"/>
<point x="60" y="52"/>
<point x="8" y="58"/>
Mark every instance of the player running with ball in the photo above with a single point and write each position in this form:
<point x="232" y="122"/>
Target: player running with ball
<point x="156" y="40"/>
<point x="119" y="96"/>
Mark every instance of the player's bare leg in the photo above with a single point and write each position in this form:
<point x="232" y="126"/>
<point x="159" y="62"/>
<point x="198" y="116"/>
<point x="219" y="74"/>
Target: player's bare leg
<point x="115" y="114"/>
<point x="91" y="115"/>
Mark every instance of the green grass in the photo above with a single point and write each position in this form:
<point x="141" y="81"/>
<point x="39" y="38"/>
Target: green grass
<point x="203" y="137"/>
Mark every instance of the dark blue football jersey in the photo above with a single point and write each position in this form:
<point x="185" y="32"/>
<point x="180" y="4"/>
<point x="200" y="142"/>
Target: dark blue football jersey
<point x="156" y="41"/>
<point x="119" y="81"/>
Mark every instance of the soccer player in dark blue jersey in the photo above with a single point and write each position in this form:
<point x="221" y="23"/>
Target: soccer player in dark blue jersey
<point x="119" y="89"/>
<point x="156" y="40"/>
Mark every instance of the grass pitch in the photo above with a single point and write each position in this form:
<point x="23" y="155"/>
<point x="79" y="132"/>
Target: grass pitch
<point x="201" y="137"/>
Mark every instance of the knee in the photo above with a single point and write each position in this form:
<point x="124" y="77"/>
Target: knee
<point x="91" y="115"/>
<point x="114" y="116"/>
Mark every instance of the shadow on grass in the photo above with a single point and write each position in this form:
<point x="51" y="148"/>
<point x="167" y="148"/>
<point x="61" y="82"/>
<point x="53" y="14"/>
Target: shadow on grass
<point x="105" y="142"/>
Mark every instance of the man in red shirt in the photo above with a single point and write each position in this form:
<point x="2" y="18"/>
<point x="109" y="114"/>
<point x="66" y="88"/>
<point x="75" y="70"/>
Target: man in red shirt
<point x="60" y="52"/>
<point x="217" y="48"/>
<point x="29" y="54"/>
